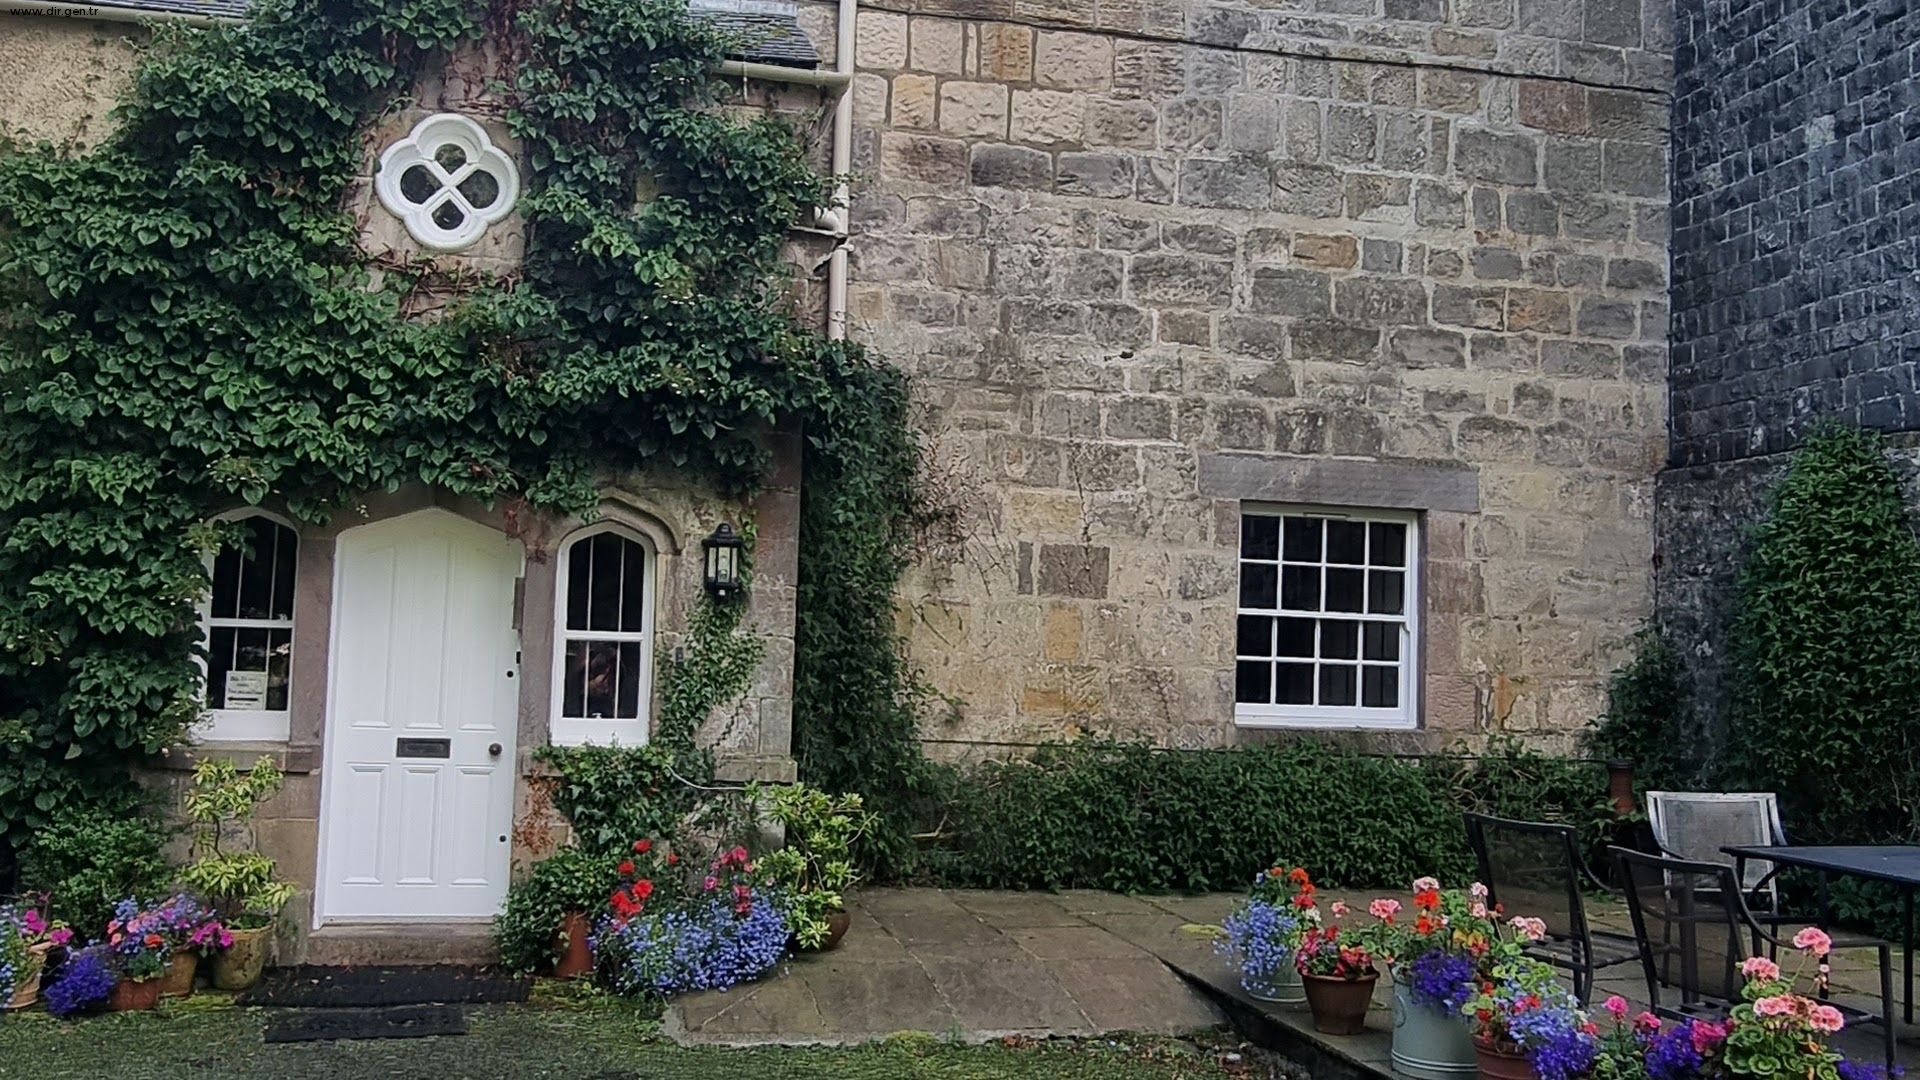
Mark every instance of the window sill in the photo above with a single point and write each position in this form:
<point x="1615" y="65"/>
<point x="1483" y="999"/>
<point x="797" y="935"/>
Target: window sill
<point x="1268" y="721"/>
<point x="290" y="759"/>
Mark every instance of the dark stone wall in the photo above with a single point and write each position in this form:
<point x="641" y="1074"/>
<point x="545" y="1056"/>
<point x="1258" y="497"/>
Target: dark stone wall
<point x="1796" y="237"/>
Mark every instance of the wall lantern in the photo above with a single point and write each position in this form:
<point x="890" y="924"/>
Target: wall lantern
<point x="723" y="561"/>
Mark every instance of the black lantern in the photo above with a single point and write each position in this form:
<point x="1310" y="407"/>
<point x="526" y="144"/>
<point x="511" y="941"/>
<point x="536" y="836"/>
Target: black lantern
<point x="723" y="561"/>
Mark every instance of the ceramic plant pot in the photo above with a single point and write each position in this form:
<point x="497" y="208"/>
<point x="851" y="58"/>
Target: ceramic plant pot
<point x="1339" y="1005"/>
<point x="1283" y="987"/>
<point x="1428" y="1042"/>
<point x="178" y="981"/>
<point x="837" y="925"/>
<point x="134" y="995"/>
<point x="1500" y="1064"/>
<point x="26" y="989"/>
<point x="241" y="964"/>
<point x="577" y="960"/>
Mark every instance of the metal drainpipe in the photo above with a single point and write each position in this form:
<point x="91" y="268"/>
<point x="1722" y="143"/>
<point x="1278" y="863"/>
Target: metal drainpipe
<point x="833" y="221"/>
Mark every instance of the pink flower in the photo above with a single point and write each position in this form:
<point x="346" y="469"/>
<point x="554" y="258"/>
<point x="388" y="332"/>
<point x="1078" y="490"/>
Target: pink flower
<point x="1647" y="1022"/>
<point x="1340" y="909"/>
<point x="711" y="883"/>
<point x="1425" y="884"/>
<point x="1778" y="1005"/>
<point x="1706" y="1036"/>
<point x="36" y="923"/>
<point x="1477" y="891"/>
<point x="1759" y="967"/>
<point x="60" y="937"/>
<point x="1383" y="909"/>
<point x="1531" y="929"/>
<point x="1616" y="1007"/>
<point x="1478" y="910"/>
<point x="1826" y="1019"/>
<point x="1814" y="940"/>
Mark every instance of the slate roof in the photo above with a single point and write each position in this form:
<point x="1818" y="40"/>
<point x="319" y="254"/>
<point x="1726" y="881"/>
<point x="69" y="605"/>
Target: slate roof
<point x="768" y="31"/>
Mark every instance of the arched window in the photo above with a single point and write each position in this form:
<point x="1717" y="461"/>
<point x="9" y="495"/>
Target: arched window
<point x="247" y="627"/>
<point x="603" y="639"/>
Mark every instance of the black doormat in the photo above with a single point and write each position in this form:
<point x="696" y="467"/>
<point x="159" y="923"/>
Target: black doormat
<point x="405" y="1022"/>
<point x="311" y="987"/>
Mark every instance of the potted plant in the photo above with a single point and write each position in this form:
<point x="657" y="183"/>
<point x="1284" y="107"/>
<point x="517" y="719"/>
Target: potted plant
<point x="1337" y="965"/>
<point x="812" y="873"/>
<point x="26" y="937"/>
<point x="239" y="884"/>
<point x="84" y="983"/>
<point x="140" y="954"/>
<point x="1264" y="932"/>
<point x="550" y="914"/>
<point x="192" y="930"/>
<point x="1526" y="1026"/>
<point x="1436" y="960"/>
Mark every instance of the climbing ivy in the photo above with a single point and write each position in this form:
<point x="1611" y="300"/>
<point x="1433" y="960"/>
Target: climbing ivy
<point x="187" y="324"/>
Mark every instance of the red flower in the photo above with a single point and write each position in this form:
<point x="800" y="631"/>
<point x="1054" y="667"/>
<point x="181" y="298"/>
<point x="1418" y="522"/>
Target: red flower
<point x="641" y="847"/>
<point x="626" y="868"/>
<point x="1298" y="876"/>
<point x="673" y="860"/>
<point x="154" y="941"/>
<point x="643" y="889"/>
<point x="1427" y="901"/>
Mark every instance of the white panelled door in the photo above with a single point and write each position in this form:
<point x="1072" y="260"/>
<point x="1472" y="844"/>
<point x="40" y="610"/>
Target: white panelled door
<point x="419" y="766"/>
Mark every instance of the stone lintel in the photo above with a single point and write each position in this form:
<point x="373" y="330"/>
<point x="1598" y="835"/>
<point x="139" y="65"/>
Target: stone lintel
<point x="1397" y="485"/>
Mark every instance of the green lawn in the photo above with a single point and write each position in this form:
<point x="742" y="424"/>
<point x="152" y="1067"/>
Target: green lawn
<point x="598" y="1041"/>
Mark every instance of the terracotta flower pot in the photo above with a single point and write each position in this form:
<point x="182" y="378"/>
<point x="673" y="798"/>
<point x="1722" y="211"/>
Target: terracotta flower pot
<point x="1339" y="1005"/>
<point x="134" y="995"/>
<point x="837" y="925"/>
<point x="240" y="965"/>
<point x="577" y="960"/>
<point x="178" y="981"/>
<point x="26" y="989"/>
<point x="1497" y="1063"/>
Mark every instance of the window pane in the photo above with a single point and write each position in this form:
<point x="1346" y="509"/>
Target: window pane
<point x="573" y="691"/>
<point x="603" y="606"/>
<point x="1379" y="687"/>
<point x="1257" y="585"/>
<point x="1389" y="545"/>
<point x="1254" y="636"/>
<point x="1300" y="588"/>
<point x="1253" y="682"/>
<point x="579" y="573"/>
<point x="633" y="593"/>
<point x="251" y="651"/>
<point x="226" y="582"/>
<point x="1344" y="588"/>
<point x="1382" y="641"/>
<point x="285" y="560"/>
<point x="1294" y="684"/>
<point x="279" y="665"/>
<point x="1259" y="537"/>
<point x="629" y="685"/>
<point x="1347" y="542"/>
<point x="1337" y="684"/>
<point x="603" y="658"/>
<point x="1303" y="539"/>
<point x="219" y="661"/>
<point x="1296" y="637"/>
<point x="1386" y="591"/>
<point x="256" y="569"/>
<point x="1340" y="639"/>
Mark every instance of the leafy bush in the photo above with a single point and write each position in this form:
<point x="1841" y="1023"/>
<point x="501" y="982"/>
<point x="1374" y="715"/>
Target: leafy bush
<point x="1649" y="716"/>
<point x="1130" y="818"/>
<point x="527" y="930"/>
<point x="815" y="868"/>
<point x="239" y="884"/>
<point x="1825" y="648"/>
<point x="93" y="852"/>
<point x="613" y="794"/>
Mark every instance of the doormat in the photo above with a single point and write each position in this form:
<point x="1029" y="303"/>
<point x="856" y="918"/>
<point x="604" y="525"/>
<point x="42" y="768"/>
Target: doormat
<point x="406" y="1022"/>
<point x="312" y="987"/>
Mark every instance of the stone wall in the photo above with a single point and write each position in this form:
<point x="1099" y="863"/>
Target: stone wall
<point x="59" y="76"/>
<point x="1794" y="294"/>
<point x="1121" y="243"/>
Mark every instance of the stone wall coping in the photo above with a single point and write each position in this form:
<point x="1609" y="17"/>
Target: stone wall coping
<point x="290" y="758"/>
<point x="1395" y="485"/>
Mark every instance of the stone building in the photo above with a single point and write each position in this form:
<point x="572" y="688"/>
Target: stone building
<point x="1796" y="238"/>
<point x="1289" y="366"/>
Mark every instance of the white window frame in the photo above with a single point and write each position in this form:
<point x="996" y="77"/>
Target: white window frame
<point x="247" y="725"/>
<point x="1405" y="716"/>
<point x="589" y="731"/>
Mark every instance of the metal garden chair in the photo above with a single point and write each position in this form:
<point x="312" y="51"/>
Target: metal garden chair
<point x="1698" y="825"/>
<point x="1534" y="868"/>
<point x="1692" y="928"/>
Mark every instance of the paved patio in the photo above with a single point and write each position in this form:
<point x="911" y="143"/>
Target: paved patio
<point x="982" y="965"/>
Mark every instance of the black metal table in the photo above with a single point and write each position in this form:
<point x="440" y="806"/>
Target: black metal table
<point x="1895" y="864"/>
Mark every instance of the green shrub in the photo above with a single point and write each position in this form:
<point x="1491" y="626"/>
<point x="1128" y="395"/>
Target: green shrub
<point x="93" y="852"/>
<point x="527" y="930"/>
<point x="1649" y="717"/>
<point x="1130" y="818"/>
<point x="613" y="796"/>
<point x="1825" y="648"/>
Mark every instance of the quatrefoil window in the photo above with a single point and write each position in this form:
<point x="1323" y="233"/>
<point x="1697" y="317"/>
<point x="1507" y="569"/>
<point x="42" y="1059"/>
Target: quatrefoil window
<point x="447" y="182"/>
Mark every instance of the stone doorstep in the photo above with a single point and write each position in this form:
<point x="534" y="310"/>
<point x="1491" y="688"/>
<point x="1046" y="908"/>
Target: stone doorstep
<point x="398" y="944"/>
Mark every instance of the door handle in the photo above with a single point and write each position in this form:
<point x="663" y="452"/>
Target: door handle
<point x="494" y="750"/>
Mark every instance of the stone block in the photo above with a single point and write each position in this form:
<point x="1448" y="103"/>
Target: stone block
<point x="881" y="39"/>
<point x="975" y="109"/>
<point x="914" y="102"/>
<point x="922" y="159"/>
<point x="1181" y="280"/>
<point x="1241" y="182"/>
<point x="1006" y="52"/>
<point x="1149" y="71"/>
<point x="1072" y="61"/>
<point x="1105" y="176"/>
<point x="1338" y="252"/>
<point x="1427" y="349"/>
<point x="1475" y="308"/>
<point x="1606" y="318"/>
<point x="1539" y="310"/>
<point x="1533" y="213"/>
<point x="1079" y="570"/>
<point x="1438" y="205"/>
<point x="1334" y="342"/>
<point x="1121" y="123"/>
<point x="1634" y="169"/>
<point x="1613" y="22"/>
<point x="1048" y="117"/>
<point x="1571" y="166"/>
<point x="1580" y="359"/>
<point x="1193" y="124"/>
<point x="936" y="45"/>
<point x="1310" y="190"/>
<point x="1553" y="106"/>
<point x="1452" y="91"/>
<point x="1380" y="301"/>
<point x="1352" y="134"/>
<point x="1139" y="418"/>
<point x="1496" y="157"/>
<point x="994" y="165"/>
<point x="1244" y="335"/>
<point x="1300" y="294"/>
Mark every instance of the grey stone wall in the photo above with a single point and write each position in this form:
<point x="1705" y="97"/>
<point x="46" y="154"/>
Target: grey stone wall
<point x="1795" y="244"/>
<point x="1117" y="242"/>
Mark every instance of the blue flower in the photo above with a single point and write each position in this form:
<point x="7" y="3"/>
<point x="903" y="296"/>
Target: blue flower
<point x="84" y="982"/>
<point x="1259" y="934"/>
<point x="1442" y="980"/>
<point x="1672" y="1054"/>
<point x="709" y="945"/>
